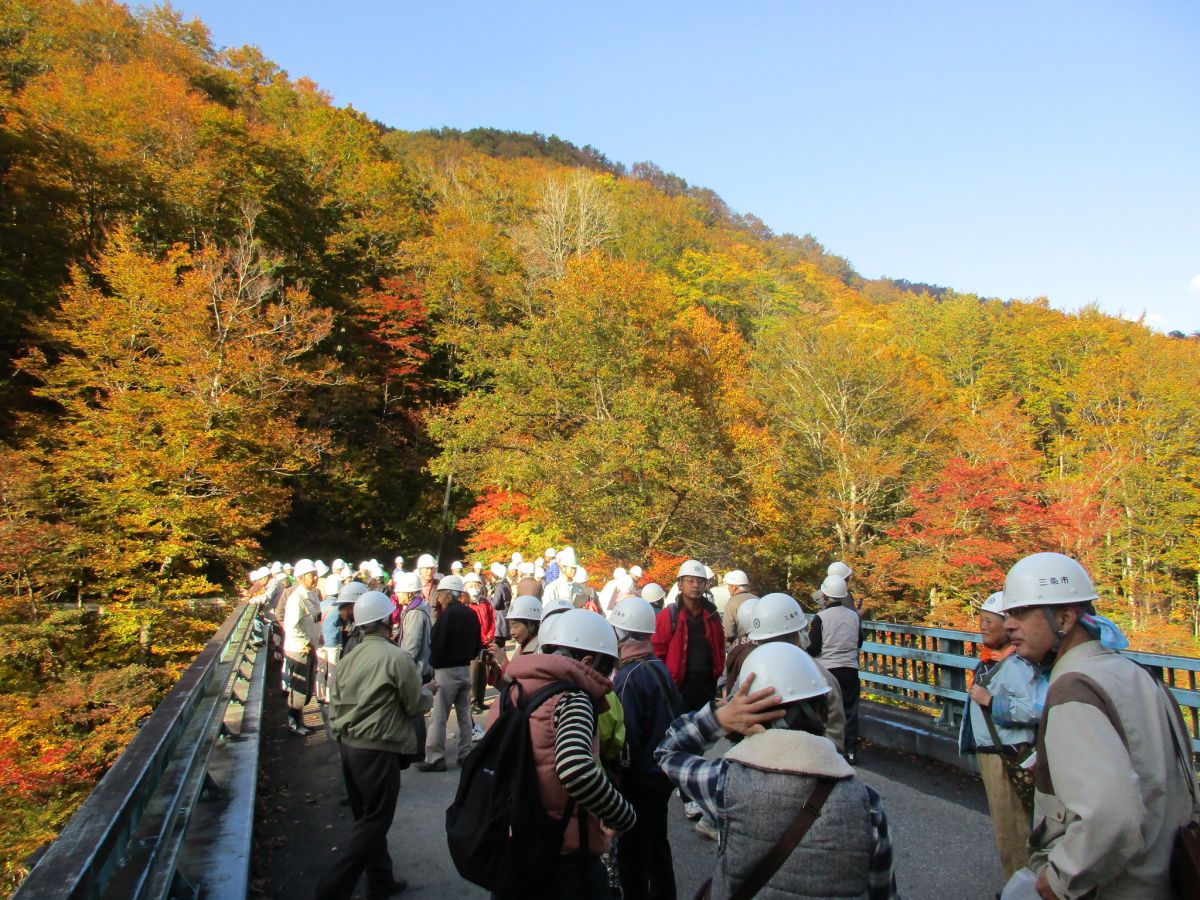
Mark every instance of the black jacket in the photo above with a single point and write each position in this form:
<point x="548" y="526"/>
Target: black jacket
<point x="455" y="640"/>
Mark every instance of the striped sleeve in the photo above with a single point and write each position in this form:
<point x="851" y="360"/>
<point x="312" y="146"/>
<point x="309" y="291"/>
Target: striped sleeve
<point x="881" y="880"/>
<point x="577" y="767"/>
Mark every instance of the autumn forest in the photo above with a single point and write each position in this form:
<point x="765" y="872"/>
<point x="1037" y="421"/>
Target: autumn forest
<point x="245" y="323"/>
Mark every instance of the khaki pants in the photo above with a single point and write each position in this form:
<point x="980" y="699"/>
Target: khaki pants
<point x="1010" y="823"/>
<point x="454" y="690"/>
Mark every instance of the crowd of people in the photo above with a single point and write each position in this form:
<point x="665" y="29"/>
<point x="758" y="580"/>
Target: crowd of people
<point x="625" y="689"/>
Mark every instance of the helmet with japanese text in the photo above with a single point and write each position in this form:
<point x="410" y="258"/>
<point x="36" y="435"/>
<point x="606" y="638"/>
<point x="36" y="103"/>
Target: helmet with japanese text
<point x="1047" y="579"/>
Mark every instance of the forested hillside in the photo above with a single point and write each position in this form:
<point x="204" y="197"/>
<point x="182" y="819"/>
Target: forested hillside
<point x="244" y="321"/>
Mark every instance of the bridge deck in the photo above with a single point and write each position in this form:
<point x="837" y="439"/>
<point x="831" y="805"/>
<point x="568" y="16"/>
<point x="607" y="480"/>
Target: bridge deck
<point x="938" y="816"/>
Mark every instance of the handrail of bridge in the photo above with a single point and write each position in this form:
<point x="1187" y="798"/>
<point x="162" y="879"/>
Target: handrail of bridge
<point x="927" y="668"/>
<point x="126" y="839"/>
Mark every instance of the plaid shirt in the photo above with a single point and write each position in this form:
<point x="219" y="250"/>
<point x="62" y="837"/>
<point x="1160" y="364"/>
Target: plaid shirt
<point x="680" y="757"/>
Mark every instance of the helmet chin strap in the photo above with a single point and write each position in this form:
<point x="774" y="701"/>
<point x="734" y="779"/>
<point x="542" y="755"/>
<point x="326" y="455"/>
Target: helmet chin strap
<point x="1059" y="636"/>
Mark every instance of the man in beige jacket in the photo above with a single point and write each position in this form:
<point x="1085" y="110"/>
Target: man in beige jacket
<point x="1112" y="784"/>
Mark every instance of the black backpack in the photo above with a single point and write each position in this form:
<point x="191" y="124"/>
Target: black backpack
<point x="497" y="815"/>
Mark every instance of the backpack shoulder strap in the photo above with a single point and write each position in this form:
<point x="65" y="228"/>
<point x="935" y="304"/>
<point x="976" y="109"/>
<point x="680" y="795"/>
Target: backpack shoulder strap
<point x="540" y="696"/>
<point x="777" y="855"/>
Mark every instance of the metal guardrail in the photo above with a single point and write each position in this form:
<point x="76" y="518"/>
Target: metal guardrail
<point x="130" y="838"/>
<point x="927" y="668"/>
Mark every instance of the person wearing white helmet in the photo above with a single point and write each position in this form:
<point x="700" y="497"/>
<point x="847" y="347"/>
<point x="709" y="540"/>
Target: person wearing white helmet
<point x="528" y="585"/>
<point x="301" y="637"/>
<point x="374" y="704"/>
<point x="835" y="634"/>
<point x="524" y="619"/>
<point x="427" y="570"/>
<point x="562" y="586"/>
<point x="1113" y="778"/>
<point x="607" y="600"/>
<point x="845" y="851"/>
<point x="1000" y="720"/>
<point x="331" y="584"/>
<point x="454" y="643"/>
<point x="486" y="614"/>
<point x="777" y="617"/>
<point x="650" y="702"/>
<point x="653" y="594"/>
<point x="564" y="737"/>
<point x="500" y="594"/>
<point x="477" y="566"/>
<point x="456" y="567"/>
<point x="551" y="564"/>
<point x="738" y="585"/>
<point x="337" y="621"/>
<point x="397" y="567"/>
<point x="688" y="637"/>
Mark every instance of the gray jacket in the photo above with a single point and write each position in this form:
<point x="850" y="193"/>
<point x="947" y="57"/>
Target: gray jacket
<point x="769" y="777"/>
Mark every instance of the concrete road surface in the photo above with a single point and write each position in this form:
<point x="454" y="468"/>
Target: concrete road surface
<point x="942" y="836"/>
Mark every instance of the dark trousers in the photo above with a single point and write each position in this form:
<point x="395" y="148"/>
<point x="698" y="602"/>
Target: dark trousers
<point x="373" y="784"/>
<point x="696" y="690"/>
<point x="576" y="877"/>
<point x="299" y="674"/>
<point x="478" y="681"/>
<point x="644" y="852"/>
<point x="847" y="679"/>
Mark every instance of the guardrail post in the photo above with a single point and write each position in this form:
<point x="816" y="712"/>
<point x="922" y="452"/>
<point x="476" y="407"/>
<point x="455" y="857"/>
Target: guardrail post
<point x="953" y="679"/>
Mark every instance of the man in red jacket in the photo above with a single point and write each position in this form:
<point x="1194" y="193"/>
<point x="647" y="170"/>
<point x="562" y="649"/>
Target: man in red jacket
<point x="689" y="638"/>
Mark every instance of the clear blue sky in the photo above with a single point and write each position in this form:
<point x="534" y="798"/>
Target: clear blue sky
<point x="1013" y="149"/>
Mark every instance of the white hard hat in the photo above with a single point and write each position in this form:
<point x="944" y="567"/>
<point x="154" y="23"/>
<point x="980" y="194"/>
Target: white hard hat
<point x="694" y="568"/>
<point x="497" y="569"/>
<point x="375" y="570"/>
<point x="709" y="574"/>
<point x="351" y="592"/>
<point x="834" y="587"/>
<point x="287" y="567"/>
<point x="477" y="566"/>
<point x="567" y="558"/>
<point x="322" y="569"/>
<point x="338" y="565"/>
<point x="787" y="669"/>
<point x="993" y="604"/>
<point x="364" y="565"/>
<point x="1047" y="579"/>
<point x="745" y="615"/>
<point x="472" y="578"/>
<point x="635" y="572"/>
<point x="525" y="608"/>
<point x="518" y="558"/>
<point x="618" y="572"/>
<point x="633" y="614"/>
<point x="549" y="554"/>
<point x="371" y="607"/>
<point x="582" y="629"/>
<point x="425" y="561"/>
<point x="451" y="583"/>
<point x="653" y="592"/>
<point x="408" y="583"/>
<point x="736" y="577"/>
<point x="303" y="567"/>
<point x="550" y="607"/>
<point x="525" y="568"/>
<point x="276" y="568"/>
<point x="456" y="566"/>
<point x="581" y="575"/>
<point x="774" y="615"/>
<point x="399" y="561"/>
<point x="840" y="569"/>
